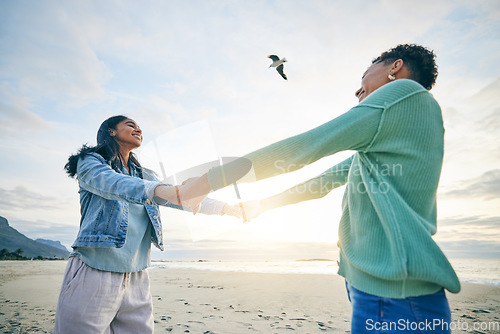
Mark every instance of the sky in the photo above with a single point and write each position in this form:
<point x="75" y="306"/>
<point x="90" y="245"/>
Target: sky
<point x="195" y="76"/>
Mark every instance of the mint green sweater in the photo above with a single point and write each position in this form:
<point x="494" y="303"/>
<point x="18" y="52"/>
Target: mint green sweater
<point x="389" y="205"/>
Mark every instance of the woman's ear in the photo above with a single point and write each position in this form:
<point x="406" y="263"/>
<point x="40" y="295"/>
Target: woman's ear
<point x="397" y="66"/>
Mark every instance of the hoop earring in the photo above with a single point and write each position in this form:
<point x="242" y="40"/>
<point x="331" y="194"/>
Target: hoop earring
<point x="391" y="77"/>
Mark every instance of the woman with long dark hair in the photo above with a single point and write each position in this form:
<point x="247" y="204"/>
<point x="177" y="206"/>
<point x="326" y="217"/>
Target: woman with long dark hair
<point x="106" y="284"/>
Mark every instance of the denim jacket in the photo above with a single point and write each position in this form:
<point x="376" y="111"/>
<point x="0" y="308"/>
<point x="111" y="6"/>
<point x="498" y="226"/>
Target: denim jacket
<point x="104" y="197"/>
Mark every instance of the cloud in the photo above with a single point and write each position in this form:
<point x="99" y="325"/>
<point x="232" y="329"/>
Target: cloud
<point x="482" y="229"/>
<point x="490" y="122"/>
<point x="472" y="120"/>
<point x="477" y="221"/>
<point x="48" y="56"/>
<point x="15" y="117"/>
<point x="470" y="248"/>
<point x="21" y="198"/>
<point x="469" y="236"/>
<point x="486" y="186"/>
<point x="471" y="138"/>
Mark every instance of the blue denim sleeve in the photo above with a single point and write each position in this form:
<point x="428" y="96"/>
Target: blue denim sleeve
<point x="97" y="177"/>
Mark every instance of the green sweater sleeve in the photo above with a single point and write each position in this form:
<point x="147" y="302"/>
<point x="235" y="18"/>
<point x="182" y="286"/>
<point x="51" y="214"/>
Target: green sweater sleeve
<point x="314" y="188"/>
<point x="353" y="130"/>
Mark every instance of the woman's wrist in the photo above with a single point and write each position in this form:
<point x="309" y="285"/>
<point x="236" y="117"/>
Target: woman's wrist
<point x="224" y="209"/>
<point x="264" y="205"/>
<point x="168" y="193"/>
<point x="204" y="184"/>
<point x="177" y="196"/>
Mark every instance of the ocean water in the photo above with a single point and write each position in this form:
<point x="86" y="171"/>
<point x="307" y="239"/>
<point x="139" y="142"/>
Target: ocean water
<point x="479" y="271"/>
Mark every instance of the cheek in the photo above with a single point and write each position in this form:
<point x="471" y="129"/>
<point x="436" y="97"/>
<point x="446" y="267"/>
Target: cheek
<point x="366" y="84"/>
<point x="374" y="83"/>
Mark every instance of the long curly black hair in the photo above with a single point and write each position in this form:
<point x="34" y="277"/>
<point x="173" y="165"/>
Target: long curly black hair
<point x="106" y="146"/>
<point x="420" y="61"/>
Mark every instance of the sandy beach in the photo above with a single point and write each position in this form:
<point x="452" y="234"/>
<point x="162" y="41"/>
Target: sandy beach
<point x="194" y="301"/>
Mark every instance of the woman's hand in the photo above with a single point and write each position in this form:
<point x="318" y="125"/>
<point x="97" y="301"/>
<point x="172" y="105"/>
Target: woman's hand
<point x="193" y="191"/>
<point x="232" y="210"/>
<point x="251" y="209"/>
<point x="190" y="194"/>
<point x="246" y="211"/>
<point x="166" y="193"/>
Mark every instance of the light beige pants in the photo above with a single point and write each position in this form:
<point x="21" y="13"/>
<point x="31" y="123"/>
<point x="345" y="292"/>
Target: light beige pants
<point x="94" y="301"/>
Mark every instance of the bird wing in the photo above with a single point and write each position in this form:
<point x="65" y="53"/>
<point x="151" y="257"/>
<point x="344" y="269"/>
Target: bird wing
<point x="274" y="58"/>
<point x="280" y="71"/>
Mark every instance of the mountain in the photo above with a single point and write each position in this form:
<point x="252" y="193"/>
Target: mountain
<point x="56" y="244"/>
<point x="12" y="240"/>
<point x="3" y="222"/>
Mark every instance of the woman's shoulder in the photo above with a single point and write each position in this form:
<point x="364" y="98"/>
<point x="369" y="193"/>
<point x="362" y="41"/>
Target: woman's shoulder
<point x="408" y="83"/>
<point x="403" y="87"/>
<point x="92" y="155"/>
<point x="149" y="174"/>
<point x="89" y="159"/>
<point x="394" y="92"/>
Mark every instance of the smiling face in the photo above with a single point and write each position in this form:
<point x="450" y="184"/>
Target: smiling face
<point x="127" y="134"/>
<point x="375" y="77"/>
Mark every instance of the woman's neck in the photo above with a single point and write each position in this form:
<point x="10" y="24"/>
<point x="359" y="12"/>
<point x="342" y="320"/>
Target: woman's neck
<point x="124" y="157"/>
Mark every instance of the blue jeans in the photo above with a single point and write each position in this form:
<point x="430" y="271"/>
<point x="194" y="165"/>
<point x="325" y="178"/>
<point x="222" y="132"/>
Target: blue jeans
<point x="423" y="314"/>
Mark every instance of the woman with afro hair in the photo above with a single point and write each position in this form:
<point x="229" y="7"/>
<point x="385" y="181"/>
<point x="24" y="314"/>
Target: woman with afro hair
<point x="395" y="273"/>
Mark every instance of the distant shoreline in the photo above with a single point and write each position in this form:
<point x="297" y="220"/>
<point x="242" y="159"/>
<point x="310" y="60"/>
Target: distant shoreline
<point x="263" y="261"/>
<point x="23" y="260"/>
<point x="474" y="272"/>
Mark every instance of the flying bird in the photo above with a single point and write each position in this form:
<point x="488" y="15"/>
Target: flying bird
<point x="278" y="63"/>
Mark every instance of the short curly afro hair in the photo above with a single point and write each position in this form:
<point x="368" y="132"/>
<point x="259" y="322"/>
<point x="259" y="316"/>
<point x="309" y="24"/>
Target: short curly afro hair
<point x="419" y="60"/>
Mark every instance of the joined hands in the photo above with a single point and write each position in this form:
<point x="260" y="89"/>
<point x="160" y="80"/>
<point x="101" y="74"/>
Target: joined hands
<point x="246" y="210"/>
<point x="194" y="190"/>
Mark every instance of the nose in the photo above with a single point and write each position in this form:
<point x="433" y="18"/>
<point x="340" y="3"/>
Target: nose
<point x="358" y="92"/>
